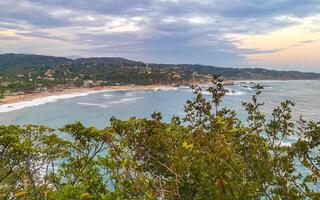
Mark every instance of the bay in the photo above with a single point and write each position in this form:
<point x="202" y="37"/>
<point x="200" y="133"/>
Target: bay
<point x="95" y="109"/>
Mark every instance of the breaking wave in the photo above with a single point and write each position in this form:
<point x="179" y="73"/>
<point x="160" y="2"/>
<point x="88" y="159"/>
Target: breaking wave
<point x="39" y="101"/>
<point x="110" y="103"/>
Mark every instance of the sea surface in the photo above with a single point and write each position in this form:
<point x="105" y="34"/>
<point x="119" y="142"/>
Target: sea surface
<point x="96" y="108"/>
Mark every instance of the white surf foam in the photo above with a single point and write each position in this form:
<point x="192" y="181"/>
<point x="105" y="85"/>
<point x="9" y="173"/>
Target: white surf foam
<point x="124" y="100"/>
<point x="184" y="87"/>
<point x="94" y="104"/>
<point x="110" y="103"/>
<point x="129" y="94"/>
<point x="160" y="89"/>
<point x="228" y="93"/>
<point x="247" y="88"/>
<point x="107" y="95"/>
<point x="235" y="93"/>
<point x="49" y="99"/>
<point x="40" y="101"/>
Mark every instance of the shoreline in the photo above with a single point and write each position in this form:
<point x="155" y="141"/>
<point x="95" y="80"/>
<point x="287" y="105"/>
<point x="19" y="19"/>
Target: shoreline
<point x="74" y="90"/>
<point x="69" y="91"/>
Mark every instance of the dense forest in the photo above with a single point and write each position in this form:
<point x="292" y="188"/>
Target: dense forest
<point x="29" y="73"/>
<point x="208" y="154"/>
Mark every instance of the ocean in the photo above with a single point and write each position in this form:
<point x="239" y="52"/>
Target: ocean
<point x="96" y="108"/>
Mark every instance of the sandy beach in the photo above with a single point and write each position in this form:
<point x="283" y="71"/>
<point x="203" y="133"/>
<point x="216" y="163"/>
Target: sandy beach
<point x="32" y="96"/>
<point x="28" y="97"/>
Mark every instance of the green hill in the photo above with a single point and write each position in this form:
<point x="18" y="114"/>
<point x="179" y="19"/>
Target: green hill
<point x="22" y="72"/>
<point x="20" y="63"/>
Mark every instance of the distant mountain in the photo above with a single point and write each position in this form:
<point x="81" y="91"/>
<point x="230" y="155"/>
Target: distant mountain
<point x="106" y="61"/>
<point x="21" y="62"/>
<point x="256" y="73"/>
<point x="123" y="71"/>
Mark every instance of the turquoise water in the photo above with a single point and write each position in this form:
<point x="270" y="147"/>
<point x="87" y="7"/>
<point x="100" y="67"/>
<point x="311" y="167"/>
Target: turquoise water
<point x="97" y="108"/>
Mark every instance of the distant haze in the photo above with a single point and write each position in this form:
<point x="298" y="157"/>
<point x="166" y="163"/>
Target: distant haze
<point x="273" y="34"/>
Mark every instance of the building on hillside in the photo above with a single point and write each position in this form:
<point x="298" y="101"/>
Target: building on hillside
<point x="88" y="83"/>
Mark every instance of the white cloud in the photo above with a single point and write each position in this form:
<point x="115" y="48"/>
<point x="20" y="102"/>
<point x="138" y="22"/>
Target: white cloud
<point x="199" y="20"/>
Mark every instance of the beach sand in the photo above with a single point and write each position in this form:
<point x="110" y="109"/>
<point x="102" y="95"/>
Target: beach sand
<point x="28" y="97"/>
<point x="32" y="96"/>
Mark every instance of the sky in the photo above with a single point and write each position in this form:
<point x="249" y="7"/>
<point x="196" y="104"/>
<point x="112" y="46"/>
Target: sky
<point x="273" y="34"/>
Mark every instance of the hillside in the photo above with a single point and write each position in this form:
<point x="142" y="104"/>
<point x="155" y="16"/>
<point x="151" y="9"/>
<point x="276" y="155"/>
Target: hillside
<point x="20" y="63"/>
<point x="21" y="72"/>
<point x="256" y="73"/>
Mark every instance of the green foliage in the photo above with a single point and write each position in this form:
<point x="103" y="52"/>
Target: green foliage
<point x="29" y="72"/>
<point x="2" y="91"/>
<point x="208" y="154"/>
<point x="21" y="62"/>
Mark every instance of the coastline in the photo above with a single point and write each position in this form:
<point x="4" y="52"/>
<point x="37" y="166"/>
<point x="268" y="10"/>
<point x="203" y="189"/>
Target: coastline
<point x="70" y="91"/>
<point x="12" y="103"/>
<point x="76" y="90"/>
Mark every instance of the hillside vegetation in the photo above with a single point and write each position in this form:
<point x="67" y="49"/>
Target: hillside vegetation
<point x="22" y="63"/>
<point x="29" y="73"/>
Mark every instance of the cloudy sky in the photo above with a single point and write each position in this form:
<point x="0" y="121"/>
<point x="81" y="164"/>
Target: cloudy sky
<point x="275" y="34"/>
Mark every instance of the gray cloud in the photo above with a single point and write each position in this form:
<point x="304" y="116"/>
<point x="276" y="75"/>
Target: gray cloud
<point x="6" y="38"/>
<point x="309" y="41"/>
<point x="160" y="30"/>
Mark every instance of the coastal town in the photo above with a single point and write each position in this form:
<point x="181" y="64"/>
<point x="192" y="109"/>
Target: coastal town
<point x="29" y="75"/>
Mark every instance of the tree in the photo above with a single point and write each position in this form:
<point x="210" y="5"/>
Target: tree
<point x="2" y="91"/>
